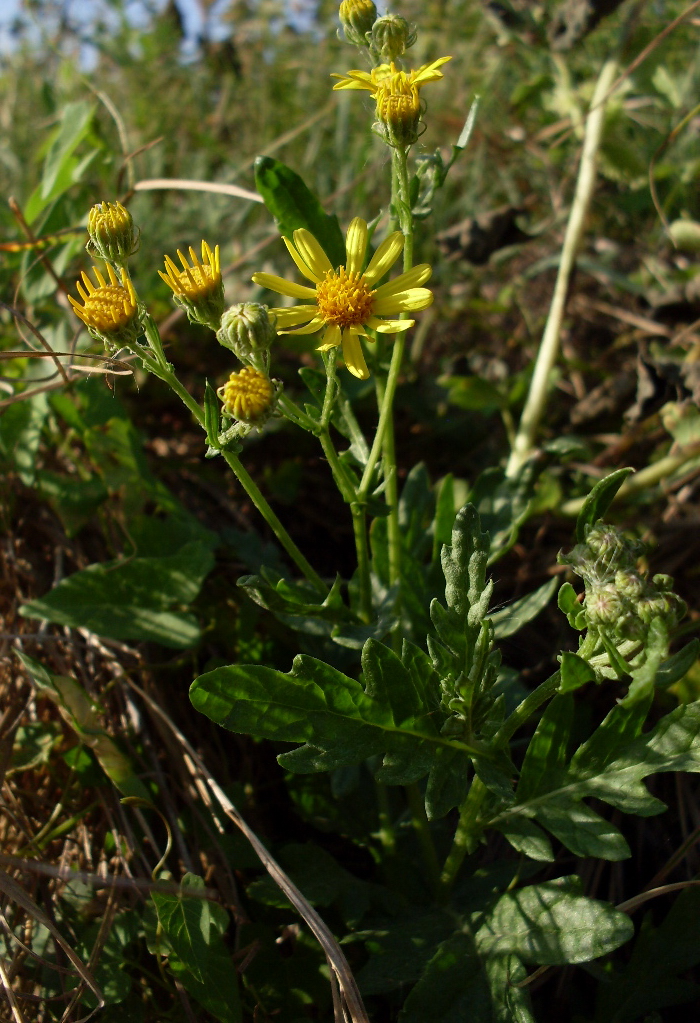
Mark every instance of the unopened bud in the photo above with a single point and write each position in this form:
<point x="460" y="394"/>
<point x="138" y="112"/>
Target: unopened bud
<point x="113" y="236"/>
<point x="247" y="329"/>
<point x="392" y="36"/>
<point x="357" y="18"/>
<point x="249" y="396"/>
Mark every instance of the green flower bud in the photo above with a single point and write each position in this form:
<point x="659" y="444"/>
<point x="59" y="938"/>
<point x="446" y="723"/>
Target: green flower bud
<point x="247" y="329"/>
<point x="392" y="36"/>
<point x="604" y="606"/>
<point x="357" y="18"/>
<point x="112" y="233"/>
<point x="629" y="584"/>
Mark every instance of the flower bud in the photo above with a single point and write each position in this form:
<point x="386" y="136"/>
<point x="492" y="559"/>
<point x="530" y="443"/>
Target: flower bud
<point x="357" y="18"/>
<point x="197" y="288"/>
<point x="112" y="233"/>
<point x="247" y="329"/>
<point x="249" y="396"/>
<point x="603" y="606"/>
<point x="398" y="111"/>
<point x="392" y="36"/>
<point x="110" y="310"/>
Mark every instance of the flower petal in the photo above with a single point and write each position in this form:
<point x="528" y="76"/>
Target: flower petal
<point x="355" y="80"/>
<point x="403" y="301"/>
<point x="385" y="257"/>
<point x="356" y="245"/>
<point x="311" y="252"/>
<point x="331" y="339"/>
<point x="353" y="355"/>
<point x="389" y="326"/>
<point x="297" y="314"/>
<point x="282" y="287"/>
<point x="310" y="328"/>
<point x="429" y="72"/>
<point x="411" y="279"/>
<point x="301" y="265"/>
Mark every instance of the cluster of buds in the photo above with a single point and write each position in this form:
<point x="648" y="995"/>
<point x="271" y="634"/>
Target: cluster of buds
<point x="387" y="37"/>
<point x="619" y="598"/>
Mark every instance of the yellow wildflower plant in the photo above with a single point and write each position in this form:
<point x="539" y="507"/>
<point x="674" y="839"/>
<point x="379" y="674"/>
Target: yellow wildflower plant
<point x="197" y="286"/>
<point x="109" y="309"/>
<point x="248" y="396"/>
<point x="344" y="301"/>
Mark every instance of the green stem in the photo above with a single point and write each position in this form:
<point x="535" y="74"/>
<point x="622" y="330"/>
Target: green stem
<point x="253" y="491"/>
<point x="416" y="805"/>
<point x="526" y="709"/>
<point x="386" y="833"/>
<point x="359" y="525"/>
<point x="466" y="836"/>
<point x="533" y="411"/>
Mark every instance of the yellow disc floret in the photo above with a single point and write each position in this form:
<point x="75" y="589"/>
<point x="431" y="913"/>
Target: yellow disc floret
<point x="109" y="310"/>
<point x="248" y="395"/>
<point x="344" y="298"/>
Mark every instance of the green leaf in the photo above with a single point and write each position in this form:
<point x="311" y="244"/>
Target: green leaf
<point x="575" y="672"/>
<point x="193" y="927"/>
<point x="60" y="164"/>
<point x="473" y="394"/>
<point x="569" y="604"/>
<point x="320" y="706"/>
<point x="551" y="924"/>
<point x="464" y="564"/>
<point x="447" y="783"/>
<point x="130" y="599"/>
<point x="400" y="950"/>
<point x="582" y="830"/>
<point x="293" y="205"/>
<point x="389" y="683"/>
<point x="650" y="980"/>
<point x="503" y="504"/>
<point x="416" y="506"/>
<point x="508" y="620"/>
<point x="644" y="677"/>
<point x="546" y="757"/>
<point x="20" y="434"/>
<point x="452" y="988"/>
<point x="678" y="665"/>
<point x="527" y="838"/>
<point x="444" y="514"/>
<point x="599" y="500"/>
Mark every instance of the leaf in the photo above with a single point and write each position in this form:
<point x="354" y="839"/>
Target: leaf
<point x="551" y="924"/>
<point x="193" y="928"/>
<point x="78" y="711"/>
<point x="317" y="705"/>
<point x="20" y="434"/>
<point x="678" y="665"/>
<point x="400" y="950"/>
<point x="444" y="514"/>
<point x="599" y="500"/>
<point x="416" y="508"/>
<point x="527" y="838"/>
<point x="508" y="620"/>
<point x="60" y="165"/>
<point x="546" y="757"/>
<point x="583" y="831"/>
<point x="131" y="599"/>
<point x="575" y="672"/>
<point x="293" y="205"/>
<point x="503" y="504"/>
<point x="447" y="783"/>
<point x="464" y="565"/>
<point x="452" y="988"/>
<point x="388" y="682"/>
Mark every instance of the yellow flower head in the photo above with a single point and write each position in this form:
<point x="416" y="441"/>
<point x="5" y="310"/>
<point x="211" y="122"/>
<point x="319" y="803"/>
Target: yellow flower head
<point x="248" y="396"/>
<point x="112" y="233"/>
<point x="399" y="81"/>
<point x="110" y="310"/>
<point x="197" y="287"/>
<point x="344" y="300"/>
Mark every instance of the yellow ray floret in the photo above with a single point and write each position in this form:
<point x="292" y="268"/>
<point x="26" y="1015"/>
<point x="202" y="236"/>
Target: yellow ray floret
<point x="388" y="80"/>
<point x="109" y="307"/>
<point x="196" y="280"/>
<point x="343" y="301"/>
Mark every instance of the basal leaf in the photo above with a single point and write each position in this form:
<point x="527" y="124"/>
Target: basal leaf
<point x="552" y="924"/>
<point x="294" y="205"/>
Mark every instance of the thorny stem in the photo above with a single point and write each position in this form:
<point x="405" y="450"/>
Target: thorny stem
<point x="549" y="347"/>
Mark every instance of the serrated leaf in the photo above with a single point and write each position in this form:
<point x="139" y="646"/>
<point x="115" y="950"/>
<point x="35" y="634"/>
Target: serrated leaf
<point x="550" y="924"/>
<point x="317" y="705"/>
<point x="599" y="500"/>
<point x="389" y="683"/>
<point x="293" y="205"/>
<point x="508" y="620"/>
<point x="575" y="672"/>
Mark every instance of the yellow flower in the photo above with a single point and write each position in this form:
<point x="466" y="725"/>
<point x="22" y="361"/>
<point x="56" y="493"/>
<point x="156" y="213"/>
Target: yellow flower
<point x="387" y="77"/>
<point x="112" y="234"/>
<point x="197" y="288"/>
<point x="110" y="310"/>
<point x="345" y="302"/>
<point x="248" y="396"/>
